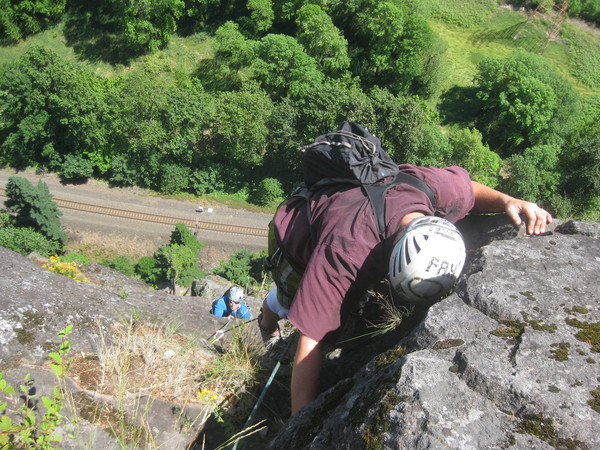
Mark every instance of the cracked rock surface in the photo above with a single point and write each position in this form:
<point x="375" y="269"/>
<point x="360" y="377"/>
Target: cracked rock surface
<point x="509" y="360"/>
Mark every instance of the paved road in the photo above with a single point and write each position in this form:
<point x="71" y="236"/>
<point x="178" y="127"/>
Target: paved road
<point x="98" y="193"/>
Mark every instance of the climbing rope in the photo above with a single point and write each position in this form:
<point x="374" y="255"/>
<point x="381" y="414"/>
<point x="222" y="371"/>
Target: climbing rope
<point x="220" y="332"/>
<point x="290" y="339"/>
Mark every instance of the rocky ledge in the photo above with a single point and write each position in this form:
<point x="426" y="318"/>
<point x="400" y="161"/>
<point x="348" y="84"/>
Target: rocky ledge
<point x="510" y="360"/>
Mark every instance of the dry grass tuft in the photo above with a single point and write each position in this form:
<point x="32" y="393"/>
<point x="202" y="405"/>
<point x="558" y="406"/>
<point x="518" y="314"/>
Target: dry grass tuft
<point x="139" y="362"/>
<point x="100" y="246"/>
<point x="145" y="359"/>
<point x="391" y="316"/>
<point x="235" y="373"/>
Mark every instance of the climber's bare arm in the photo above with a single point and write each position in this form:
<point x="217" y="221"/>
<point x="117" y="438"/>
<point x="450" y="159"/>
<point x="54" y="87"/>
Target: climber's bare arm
<point x="305" y="373"/>
<point x="490" y="200"/>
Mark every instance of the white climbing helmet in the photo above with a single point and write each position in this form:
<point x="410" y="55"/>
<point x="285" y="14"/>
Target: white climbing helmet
<point x="236" y="294"/>
<point x="427" y="259"/>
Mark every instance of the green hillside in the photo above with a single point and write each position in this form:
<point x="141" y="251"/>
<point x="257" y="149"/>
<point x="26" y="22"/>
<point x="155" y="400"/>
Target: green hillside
<point x="235" y="87"/>
<point x="576" y="54"/>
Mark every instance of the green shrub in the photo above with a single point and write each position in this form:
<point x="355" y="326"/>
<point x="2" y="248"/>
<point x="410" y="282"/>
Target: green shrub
<point x="5" y="219"/>
<point x="560" y="206"/>
<point x="148" y="270"/>
<point x="26" y="240"/>
<point x="120" y="173"/>
<point x="243" y="268"/>
<point x="534" y="174"/>
<point x="178" y="263"/>
<point x="174" y="178"/>
<point x="120" y="263"/>
<point x="590" y="209"/>
<point x="75" y="257"/>
<point x="183" y="236"/>
<point x="206" y="180"/>
<point x="76" y="167"/>
<point x="475" y="156"/>
<point x="267" y="192"/>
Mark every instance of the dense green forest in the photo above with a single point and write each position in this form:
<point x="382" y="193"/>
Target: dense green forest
<point x="203" y="96"/>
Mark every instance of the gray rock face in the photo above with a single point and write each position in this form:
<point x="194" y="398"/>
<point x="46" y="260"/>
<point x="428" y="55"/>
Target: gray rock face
<point x="510" y="360"/>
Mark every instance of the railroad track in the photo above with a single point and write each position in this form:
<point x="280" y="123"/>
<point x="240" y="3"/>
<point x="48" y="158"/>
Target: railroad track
<point x="154" y="218"/>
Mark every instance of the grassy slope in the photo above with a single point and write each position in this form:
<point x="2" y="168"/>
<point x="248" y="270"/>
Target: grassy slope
<point x="181" y="54"/>
<point x="496" y="37"/>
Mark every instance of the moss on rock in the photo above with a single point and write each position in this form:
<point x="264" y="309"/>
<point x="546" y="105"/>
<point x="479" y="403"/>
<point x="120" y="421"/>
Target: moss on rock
<point x="448" y="343"/>
<point x="561" y="351"/>
<point x="543" y="428"/>
<point x="590" y="332"/>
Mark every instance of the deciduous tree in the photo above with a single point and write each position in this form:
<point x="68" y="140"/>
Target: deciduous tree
<point x="239" y="129"/>
<point x="533" y="175"/>
<point x="471" y="153"/>
<point x="50" y="108"/>
<point x="322" y="40"/>
<point x="524" y="102"/>
<point x="20" y="18"/>
<point x="283" y="67"/>
<point x="147" y="25"/>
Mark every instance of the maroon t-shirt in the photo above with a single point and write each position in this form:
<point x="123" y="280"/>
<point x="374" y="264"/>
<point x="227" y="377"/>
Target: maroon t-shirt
<point x="341" y="250"/>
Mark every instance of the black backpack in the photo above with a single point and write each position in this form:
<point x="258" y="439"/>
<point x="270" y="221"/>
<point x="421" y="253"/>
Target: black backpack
<point x="349" y="155"/>
<point x="353" y="155"/>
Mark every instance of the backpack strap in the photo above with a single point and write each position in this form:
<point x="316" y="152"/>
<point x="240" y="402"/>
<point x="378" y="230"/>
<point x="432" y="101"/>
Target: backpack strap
<point x="377" y="193"/>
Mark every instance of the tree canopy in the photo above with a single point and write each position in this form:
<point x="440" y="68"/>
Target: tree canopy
<point x="269" y="78"/>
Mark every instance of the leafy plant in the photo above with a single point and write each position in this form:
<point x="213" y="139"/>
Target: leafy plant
<point x="76" y="167"/>
<point x="120" y="263"/>
<point x="5" y="219"/>
<point x="21" y="427"/>
<point x="179" y="263"/>
<point x="148" y="269"/>
<point x="75" y="257"/>
<point x="472" y="154"/>
<point x="243" y="268"/>
<point x="267" y="192"/>
<point x="26" y="240"/>
<point x="183" y="236"/>
<point x="524" y="102"/>
<point x="174" y="178"/>
<point x="23" y="18"/>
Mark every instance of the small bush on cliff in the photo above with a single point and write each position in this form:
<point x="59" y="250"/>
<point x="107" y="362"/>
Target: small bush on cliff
<point x="5" y="219"/>
<point x="243" y="268"/>
<point x="148" y="270"/>
<point x="20" y="426"/>
<point x="178" y="261"/>
<point x="122" y="264"/>
<point x="27" y="240"/>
